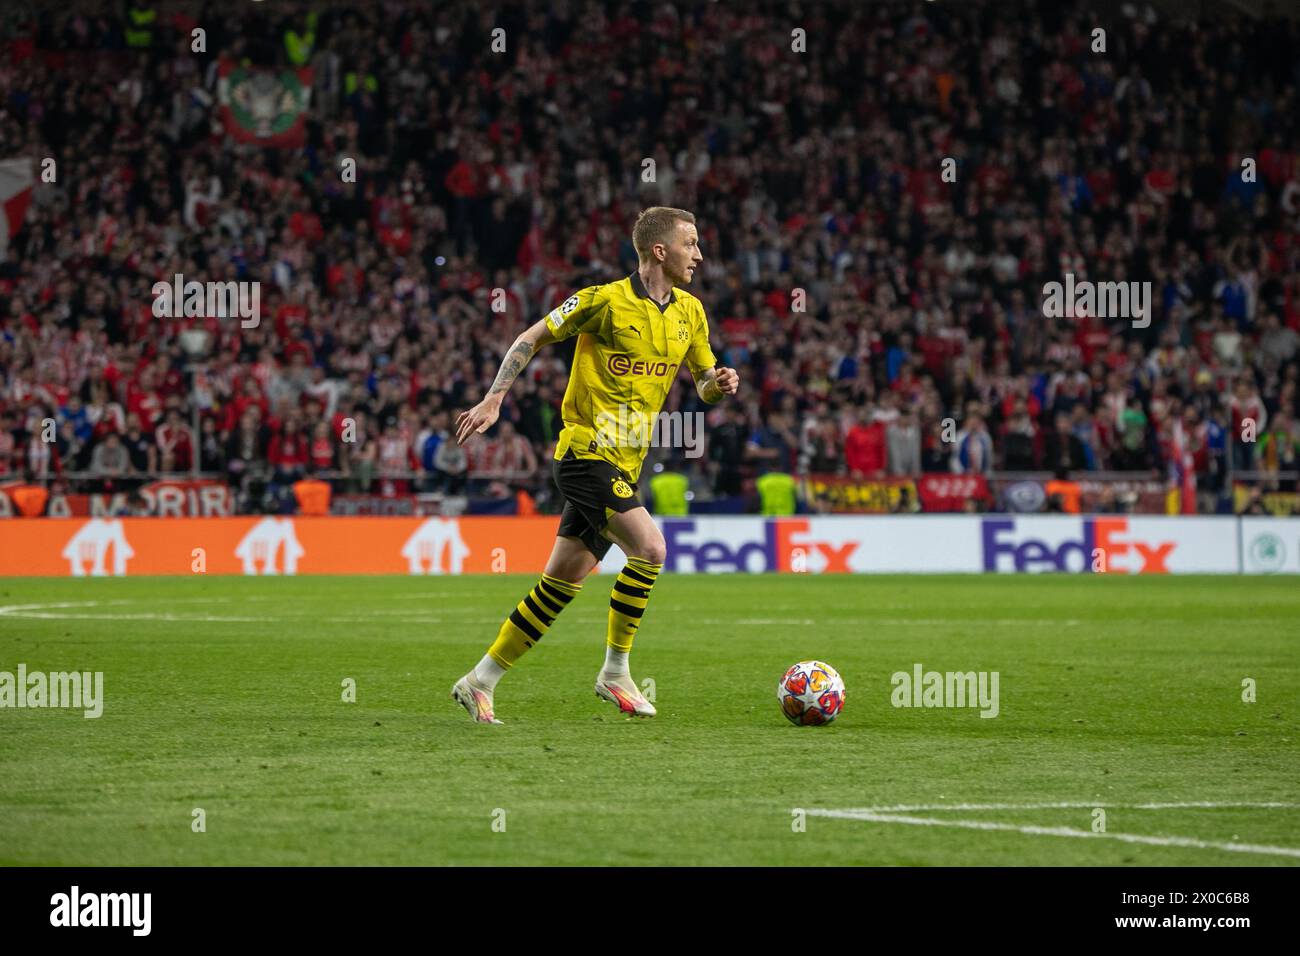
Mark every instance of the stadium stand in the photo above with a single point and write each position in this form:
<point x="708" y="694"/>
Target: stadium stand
<point x="888" y="324"/>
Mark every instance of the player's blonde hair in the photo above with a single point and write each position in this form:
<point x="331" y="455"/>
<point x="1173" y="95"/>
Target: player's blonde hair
<point x="656" y="224"/>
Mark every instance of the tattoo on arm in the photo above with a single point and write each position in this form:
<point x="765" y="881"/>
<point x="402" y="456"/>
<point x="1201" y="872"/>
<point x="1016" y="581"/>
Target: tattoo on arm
<point x="511" y="367"/>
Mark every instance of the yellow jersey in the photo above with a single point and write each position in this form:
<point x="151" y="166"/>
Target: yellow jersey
<point x="627" y="357"/>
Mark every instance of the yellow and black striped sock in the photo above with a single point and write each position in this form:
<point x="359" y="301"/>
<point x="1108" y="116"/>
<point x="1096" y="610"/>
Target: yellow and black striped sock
<point x="532" y="618"/>
<point x="628" y="600"/>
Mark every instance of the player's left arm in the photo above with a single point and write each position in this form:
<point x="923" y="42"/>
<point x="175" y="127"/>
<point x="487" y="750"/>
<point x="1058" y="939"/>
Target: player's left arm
<point x="713" y="382"/>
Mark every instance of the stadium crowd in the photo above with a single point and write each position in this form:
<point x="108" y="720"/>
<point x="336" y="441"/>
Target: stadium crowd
<point x="885" y="318"/>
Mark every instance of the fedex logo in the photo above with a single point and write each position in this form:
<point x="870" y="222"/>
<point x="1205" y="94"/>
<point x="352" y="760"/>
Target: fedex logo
<point x="784" y="546"/>
<point x="1104" y="547"/>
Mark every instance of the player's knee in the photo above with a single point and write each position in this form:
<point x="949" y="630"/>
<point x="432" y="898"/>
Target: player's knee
<point x="576" y="572"/>
<point x="571" y="574"/>
<point x="654" y="551"/>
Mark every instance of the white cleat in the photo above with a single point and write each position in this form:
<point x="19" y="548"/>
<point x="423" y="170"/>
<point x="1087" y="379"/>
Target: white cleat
<point x="475" y="699"/>
<point x="623" y="693"/>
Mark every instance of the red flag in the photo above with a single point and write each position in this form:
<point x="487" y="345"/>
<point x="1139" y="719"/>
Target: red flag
<point x="16" y="181"/>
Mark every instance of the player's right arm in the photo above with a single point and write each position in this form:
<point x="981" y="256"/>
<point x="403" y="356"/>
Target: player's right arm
<point x="581" y="312"/>
<point x="482" y="416"/>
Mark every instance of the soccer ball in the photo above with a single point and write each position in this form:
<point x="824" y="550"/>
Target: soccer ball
<point x="811" y="693"/>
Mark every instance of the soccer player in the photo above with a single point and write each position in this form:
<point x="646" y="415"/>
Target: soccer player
<point x="633" y="335"/>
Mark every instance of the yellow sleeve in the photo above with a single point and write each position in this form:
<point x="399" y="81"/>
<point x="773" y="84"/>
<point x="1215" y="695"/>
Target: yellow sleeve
<point x="700" y="356"/>
<point x="584" y="311"/>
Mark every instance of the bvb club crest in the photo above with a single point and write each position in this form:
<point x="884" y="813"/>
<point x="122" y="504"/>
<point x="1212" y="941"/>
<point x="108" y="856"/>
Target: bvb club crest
<point x="622" y="489"/>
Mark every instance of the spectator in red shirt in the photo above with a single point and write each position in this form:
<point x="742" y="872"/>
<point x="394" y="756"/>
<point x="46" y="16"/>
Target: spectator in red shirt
<point x="864" y="446"/>
<point x="288" y="451"/>
<point x="322" y="447"/>
<point x="175" y="444"/>
<point x="252" y="396"/>
<point x="143" y="399"/>
<point x="509" y="457"/>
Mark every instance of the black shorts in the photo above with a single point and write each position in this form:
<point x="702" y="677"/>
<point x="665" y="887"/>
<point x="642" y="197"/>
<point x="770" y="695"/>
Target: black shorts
<point x="592" y="489"/>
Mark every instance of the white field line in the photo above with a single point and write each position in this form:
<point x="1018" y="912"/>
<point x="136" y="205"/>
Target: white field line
<point x="1076" y="805"/>
<point x="895" y="622"/>
<point x="48" y="611"/>
<point x="216" y="619"/>
<point x="891" y="815"/>
<point x="177" y="618"/>
<point x="56" y="612"/>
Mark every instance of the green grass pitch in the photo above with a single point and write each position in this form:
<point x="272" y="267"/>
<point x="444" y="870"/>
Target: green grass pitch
<point x="225" y="694"/>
